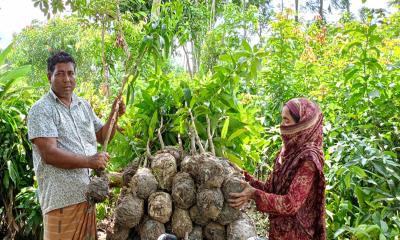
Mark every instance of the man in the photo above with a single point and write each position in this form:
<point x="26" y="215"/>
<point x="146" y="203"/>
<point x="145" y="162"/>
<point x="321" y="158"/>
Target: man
<point x="65" y="131"/>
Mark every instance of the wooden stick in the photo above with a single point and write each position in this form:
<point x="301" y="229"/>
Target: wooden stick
<point x="210" y="139"/>
<point x="159" y="134"/>
<point x="180" y="142"/>
<point x="115" y="110"/>
<point x="196" y="134"/>
<point x="192" y="140"/>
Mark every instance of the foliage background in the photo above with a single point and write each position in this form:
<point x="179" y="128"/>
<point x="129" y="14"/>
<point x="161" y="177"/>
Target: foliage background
<point x="242" y="64"/>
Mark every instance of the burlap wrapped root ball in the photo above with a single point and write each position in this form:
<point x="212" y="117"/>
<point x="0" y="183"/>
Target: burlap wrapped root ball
<point x="164" y="169"/>
<point x="98" y="189"/>
<point x="205" y="168"/>
<point x="183" y="190"/>
<point x="210" y="202"/>
<point x="143" y="183"/>
<point x="181" y="223"/>
<point x="214" y="231"/>
<point x="197" y="217"/>
<point x="241" y="229"/>
<point x="196" y="234"/>
<point x="160" y="206"/>
<point x="151" y="229"/>
<point x="129" y="211"/>
<point x="228" y="214"/>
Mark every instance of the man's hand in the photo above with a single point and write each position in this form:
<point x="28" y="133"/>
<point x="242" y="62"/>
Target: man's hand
<point x="121" y="107"/>
<point x="237" y="200"/>
<point x="98" y="161"/>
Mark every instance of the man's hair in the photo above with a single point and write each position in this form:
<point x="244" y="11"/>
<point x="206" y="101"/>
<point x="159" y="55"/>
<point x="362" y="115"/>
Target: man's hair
<point x="59" y="57"/>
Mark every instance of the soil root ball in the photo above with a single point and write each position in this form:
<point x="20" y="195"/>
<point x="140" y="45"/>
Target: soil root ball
<point x="210" y="173"/>
<point x="228" y="214"/>
<point x="196" y="234"/>
<point x="241" y="229"/>
<point x="97" y="190"/>
<point x="190" y="165"/>
<point x="183" y="190"/>
<point x="228" y="169"/>
<point x="119" y="233"/>
<point x="174" y="151"/>
<point x="164" y="169"/>
<point x="231" y="185"/>
<point x="151" y="229"/>
<point x="210" y="202"/>
<point x="143" y="183"/>
<point x="160" y="206"/>
<point x="129" y="211"/>
<point x="129" y="171"/>
<point x="181" y="223"/>
<point x="197" y="217"/>
<point x="214" y="231"/>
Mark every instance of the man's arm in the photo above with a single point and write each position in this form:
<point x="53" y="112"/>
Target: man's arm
<point x="57" y="157"/>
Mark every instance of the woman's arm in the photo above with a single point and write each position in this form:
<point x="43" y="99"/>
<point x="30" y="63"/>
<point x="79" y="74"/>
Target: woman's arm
<point x="254" y="182"/>
<point x="290" y="203"/>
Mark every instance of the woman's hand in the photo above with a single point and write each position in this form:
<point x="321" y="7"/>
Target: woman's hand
<point x="237" y="200"/>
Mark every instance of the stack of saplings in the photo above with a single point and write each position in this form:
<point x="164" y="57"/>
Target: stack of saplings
<point x="182" y="195"/>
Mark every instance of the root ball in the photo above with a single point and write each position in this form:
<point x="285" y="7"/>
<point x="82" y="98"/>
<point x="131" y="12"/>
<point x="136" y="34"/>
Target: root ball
<point x="241" y="229"/>
<point x="151" y="229"/>
<point x="214" y="231"/>
<point x="181" y="223"/>
<point x="160" y="206"/>
<point x="97" y="190"/>
<point x="183" y="190"/>
<point x="210" y="202"/>
<point x="197" y="217"/>
<point x="129" y="211"/>
<point x="164" y="169"/>
<point x="143" y="183"/>
<point x="196" y="234"/>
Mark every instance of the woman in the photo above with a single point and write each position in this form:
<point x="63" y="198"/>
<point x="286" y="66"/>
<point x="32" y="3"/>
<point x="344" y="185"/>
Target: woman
<point x="294" y="194"/>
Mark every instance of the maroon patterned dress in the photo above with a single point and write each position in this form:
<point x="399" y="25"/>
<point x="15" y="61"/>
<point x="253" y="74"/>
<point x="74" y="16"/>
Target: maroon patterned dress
<point x="294" y="194"/>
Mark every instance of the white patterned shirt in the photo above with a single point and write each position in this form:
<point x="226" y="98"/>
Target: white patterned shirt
<point x="75" y="129"/>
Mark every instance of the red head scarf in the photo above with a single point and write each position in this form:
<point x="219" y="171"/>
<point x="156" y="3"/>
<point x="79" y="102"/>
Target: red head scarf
<point x="302" y="141"/>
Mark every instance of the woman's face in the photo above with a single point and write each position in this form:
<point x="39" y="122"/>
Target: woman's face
<point x="287" y="119"/>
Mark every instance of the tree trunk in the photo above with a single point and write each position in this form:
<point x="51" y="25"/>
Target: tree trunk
<point x="282" y="6"/>
<point x="321" y="8"/>
<point x="187" y="61"/>
<point x="212" y="14"/>
<point x="296" y="17"/>
<point x="194" y="59"/>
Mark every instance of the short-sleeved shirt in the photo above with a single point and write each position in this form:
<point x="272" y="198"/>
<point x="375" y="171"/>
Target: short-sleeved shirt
<point x="75" y="128"/>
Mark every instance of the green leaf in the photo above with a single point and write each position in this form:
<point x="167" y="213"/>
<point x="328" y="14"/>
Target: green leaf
<point x="236" y="134"/>
<point x="12" y="172"/>
<point x="4" y="53"/>
<point x="339" y="232"/>
<point x="152" y="125"/>
<point x="246" y="46"/>
<point x="225" y="128"/>
<point x="358" y="171"/>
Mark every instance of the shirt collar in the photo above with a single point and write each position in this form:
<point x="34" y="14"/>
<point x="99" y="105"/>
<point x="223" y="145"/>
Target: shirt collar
<point x="75" y="99"/>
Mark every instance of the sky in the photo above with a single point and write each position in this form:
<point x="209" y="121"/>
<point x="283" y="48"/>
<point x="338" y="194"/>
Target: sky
<point x="17" y="14"/>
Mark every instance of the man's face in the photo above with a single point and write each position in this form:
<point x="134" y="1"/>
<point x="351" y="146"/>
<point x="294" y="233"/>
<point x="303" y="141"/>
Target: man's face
<point x="62" y="80"/>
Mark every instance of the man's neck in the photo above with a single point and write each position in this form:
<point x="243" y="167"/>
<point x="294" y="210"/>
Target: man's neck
<point x="66" y="100"/>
